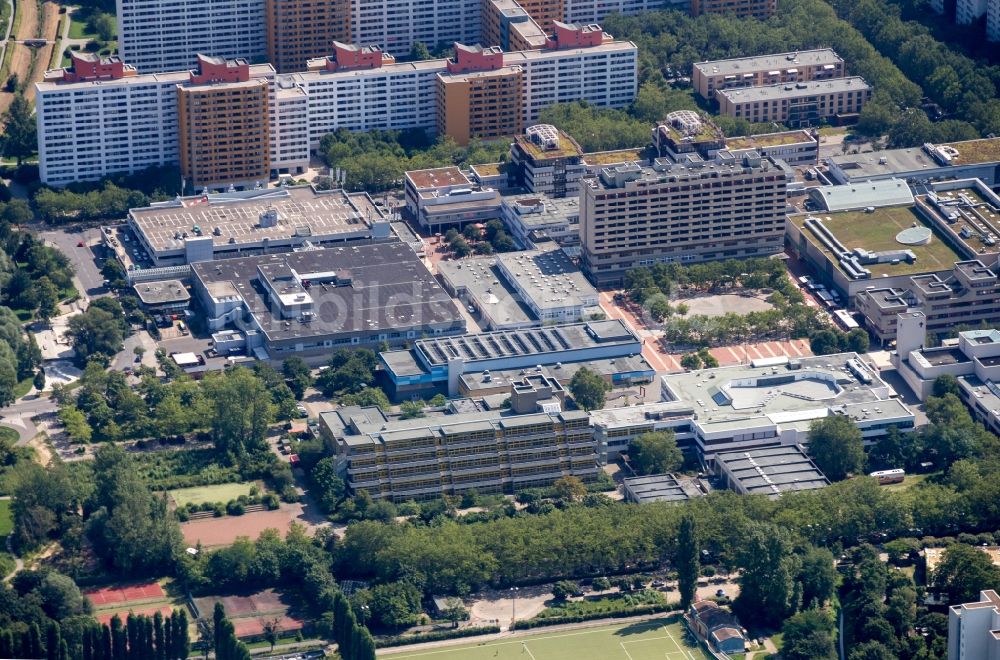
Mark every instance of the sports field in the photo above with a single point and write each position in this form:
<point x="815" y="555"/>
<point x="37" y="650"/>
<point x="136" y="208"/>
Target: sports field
<point x="216" y="493"/>
<point x="659" y="639"/>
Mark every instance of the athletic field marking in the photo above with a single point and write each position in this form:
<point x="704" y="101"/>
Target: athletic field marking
<point x="530" y="654"/>
<point x="679" y="646"/>
<point x="498" y="642"/>
<point x="629" y="655"/>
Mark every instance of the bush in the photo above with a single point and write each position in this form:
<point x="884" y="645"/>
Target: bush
<point x="235" y="508"/>
<point x="289" y="494"/>
<point x="589" y="616"/>
<point x="270" y="501"/>
<point x="436" y="635"/>
<point x="600" y="584"/>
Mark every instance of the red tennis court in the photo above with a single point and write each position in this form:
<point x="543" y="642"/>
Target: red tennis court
<point x="105" y="617"/>
<point x="125" y="594"/>
<point x="252" y="627"/>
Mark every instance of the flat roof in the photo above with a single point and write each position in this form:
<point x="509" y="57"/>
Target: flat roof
<point x="794" y="391"/>
<point x="794" y="90"/>
<point x="656" y="488"/>
<point x="614" y="157"/>
<point x="526" y="342"/>
<point x="566" y="147"/>
<point x="473" y="381"/>
<point x="911" y="161"/>
<point x="438" y="177"/>
<point x="490" y="292"/>
<point x="772" y="471"/>
<point x="860" y="195"/>
<point x="549" y="278"/>
<point x="552" y="210"/>
<point x="54" y="82"/>
<point x="769" y="140"/>
<point x="770" y="62"/>
<point x="163" y="291"/>
<point x="876" y="232"/>
<point x="233" y="218"/>
<point x="379" y="287"/>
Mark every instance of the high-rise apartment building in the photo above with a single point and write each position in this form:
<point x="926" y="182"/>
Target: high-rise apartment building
<point x="478" y="95"/>
<point x="759" y="9"/>
<point x="798" y="105"/>
<point x="993" y="20"/>
<point x="690" y="211"/>
<point x="595" y="11"/>
<point x="395" y="25"/>
<point x="301" y="30"/>
<point x="761" y="70"/>
<point x="972" y="629"/>
<point x="544" y="12"/>
<point x="969" y="11"/>
<point x="166" y="35"/>
<point x="224" y="129"/>
<point x="98" y="117"/>
<point x="87" y="121"/>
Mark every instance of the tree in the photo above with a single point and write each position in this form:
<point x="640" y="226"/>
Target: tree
<point x="945" y="384"/>
<point x="589" y="389"/>
<point x="688" y="560"/>
<point x="563" y="589"/>
<point x="858" y="341"/>
<point x="411" y="409"/>
<point x="766" y="584"/>
<point x="395" y="605"/>
<point x="19" y="139"/>
<point x="963" y="572"/>
<point x="297" y="374"/>
<point x="38" y="382"/>
<point x="818" y="577"/>
<point x="326" y="486"/>
<point x="655" y="453"/>
<point x="569" y="488"/>
<point x="272" y="629"/>
<point x="242" y="410"/>
<point x="808" y="636"/>
<point x="95" y="332"/>
<point x="872" y="650"/>
<point x="103" y="25"/>
<point x="691" y="361"/>
<point x="836" y="446"/>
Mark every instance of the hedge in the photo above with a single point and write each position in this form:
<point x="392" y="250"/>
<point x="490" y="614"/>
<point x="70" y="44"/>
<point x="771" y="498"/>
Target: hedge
<point x="434" y="636"/>
<point x="590" y="616"/>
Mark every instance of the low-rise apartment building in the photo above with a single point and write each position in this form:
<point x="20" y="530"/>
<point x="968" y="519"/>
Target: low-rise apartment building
<point x="491" y="451"/>
<point x="799" y="104"/>
<point x="763" y="70"/>
<point x="636" y="215"/>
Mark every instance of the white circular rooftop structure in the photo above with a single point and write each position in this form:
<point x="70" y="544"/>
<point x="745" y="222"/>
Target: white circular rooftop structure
<point x="915" y="236"/>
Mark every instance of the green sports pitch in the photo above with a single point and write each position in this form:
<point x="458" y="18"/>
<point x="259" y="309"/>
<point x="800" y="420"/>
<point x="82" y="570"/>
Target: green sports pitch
<point x="658" y="639"/>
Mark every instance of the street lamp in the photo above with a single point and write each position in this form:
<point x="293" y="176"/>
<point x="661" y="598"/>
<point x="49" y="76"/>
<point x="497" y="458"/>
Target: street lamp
<point x="513" y="605"/>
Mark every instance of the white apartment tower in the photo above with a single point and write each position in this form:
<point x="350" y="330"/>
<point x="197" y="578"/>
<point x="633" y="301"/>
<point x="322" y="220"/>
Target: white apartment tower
<point x="993" y="20"/>
<point x="167" y="35"/>
<point x="395" y="25"/>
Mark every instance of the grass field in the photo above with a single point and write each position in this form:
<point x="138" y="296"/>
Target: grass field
<point x="877" y="232"/>
<point x="659" y="639"/>
<point x="217" y="493"/>
<point x="6" y="519"/>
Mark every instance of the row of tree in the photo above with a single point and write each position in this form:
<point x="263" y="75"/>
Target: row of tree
<point x="375" y="161"/>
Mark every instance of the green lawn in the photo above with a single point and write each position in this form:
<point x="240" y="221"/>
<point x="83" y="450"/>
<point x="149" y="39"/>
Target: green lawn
<point x="8" y="434"/>
<point x="217" y="493"/>
<point x="78" y="26"/>
<point x="909" y="481"/>
<point x="660" y="639"/>
<point x="6" y="519"/>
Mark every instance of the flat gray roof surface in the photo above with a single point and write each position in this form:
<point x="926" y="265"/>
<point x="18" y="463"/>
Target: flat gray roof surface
<point x="301" y="212"/>
<point x="164" y="291"/>
<point x="556" y="211"/>
<point x="656" y="488"/>
<point x="528" y="341"/>
<point x="491" y="293"/>
<point x="810" y="88"/>
<point x="772" y="470"/>
<point x="771" y="62"/>
<point x="390" y="289"/>
<point x="549" y="278"/>
<point x="475" y="380"/>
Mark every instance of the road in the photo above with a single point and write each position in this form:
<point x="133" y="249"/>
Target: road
<point x="18" y="416"/>
<point x="86" y="260"/>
